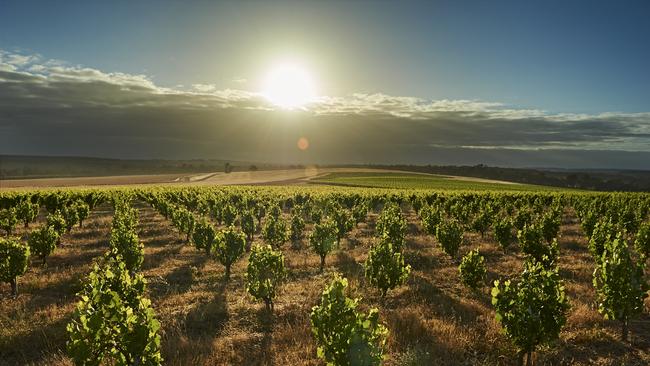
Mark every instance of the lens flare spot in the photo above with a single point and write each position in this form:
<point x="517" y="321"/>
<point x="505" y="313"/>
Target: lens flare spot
<point x="303" y="143"/>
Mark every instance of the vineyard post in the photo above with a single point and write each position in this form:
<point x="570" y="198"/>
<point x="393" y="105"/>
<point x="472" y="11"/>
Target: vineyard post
<point x="14" y="287"/>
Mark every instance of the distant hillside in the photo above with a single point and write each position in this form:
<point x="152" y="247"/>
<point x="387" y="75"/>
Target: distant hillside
<point x="21" y="167"/>
<point x="602" y="180"/>
<point x="15" y="167"/>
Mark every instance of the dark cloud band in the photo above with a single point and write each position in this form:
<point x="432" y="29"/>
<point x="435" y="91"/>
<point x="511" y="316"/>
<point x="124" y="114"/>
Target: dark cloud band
<point x="50" y="108"/>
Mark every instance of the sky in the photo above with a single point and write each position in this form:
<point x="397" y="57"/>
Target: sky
<point x="509" y="83"/>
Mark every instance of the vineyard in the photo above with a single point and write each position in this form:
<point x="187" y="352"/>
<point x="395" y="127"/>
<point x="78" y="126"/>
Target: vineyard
<point x="313" y="275"/>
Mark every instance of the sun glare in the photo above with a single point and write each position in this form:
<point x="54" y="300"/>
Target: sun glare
<point x="289" y="85"/>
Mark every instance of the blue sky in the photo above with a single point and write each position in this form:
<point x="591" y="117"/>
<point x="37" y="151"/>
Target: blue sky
<point x="560" y="56"/>
<point x="508" y="83"/>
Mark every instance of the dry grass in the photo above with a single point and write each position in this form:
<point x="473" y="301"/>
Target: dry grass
<point x="32" y="327"/>
<point x="433" y="320"/>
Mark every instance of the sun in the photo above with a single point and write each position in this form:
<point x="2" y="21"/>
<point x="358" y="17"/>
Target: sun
<point x="289" y="85"/>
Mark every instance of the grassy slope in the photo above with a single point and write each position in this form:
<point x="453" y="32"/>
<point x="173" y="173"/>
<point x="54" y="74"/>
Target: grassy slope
<point x="420" y="181"/>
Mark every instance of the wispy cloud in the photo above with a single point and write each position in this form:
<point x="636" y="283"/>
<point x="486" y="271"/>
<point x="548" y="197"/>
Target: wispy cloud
<point x="204" y="88"/>
<point x="48" y="106"/>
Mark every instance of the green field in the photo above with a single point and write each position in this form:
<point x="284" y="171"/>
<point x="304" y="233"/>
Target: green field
<point x="419" y="181"/>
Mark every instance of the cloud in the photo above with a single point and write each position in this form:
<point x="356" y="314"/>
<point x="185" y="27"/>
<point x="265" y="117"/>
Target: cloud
<point x="204" y="88"/>
<point x="50" y="107"/>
